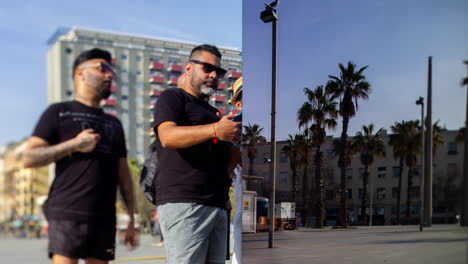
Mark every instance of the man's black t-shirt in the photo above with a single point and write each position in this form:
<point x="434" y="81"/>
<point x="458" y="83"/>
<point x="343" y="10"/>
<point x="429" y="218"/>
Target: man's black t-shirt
<point x="85" y="184"/>
<point x="197" y="174"/>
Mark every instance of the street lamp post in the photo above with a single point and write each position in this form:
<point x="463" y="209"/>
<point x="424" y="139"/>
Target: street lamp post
<point x="420" y="101"/>
<point x="428" y="151"/>
<point x="464" y="211"/>
<point x="371" y="211"/>
<point x="271" y="15"/>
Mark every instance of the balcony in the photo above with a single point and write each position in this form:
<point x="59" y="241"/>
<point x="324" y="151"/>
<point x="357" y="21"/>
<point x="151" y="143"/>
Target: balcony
<point x="175" y="68"/>
<point x="235" y="75"/>
<point x="110" y="102"/>
<point x="152" y="106"/>
<point x="221" y="86"/>
<point x="172" y="81"/>
<point x="155" y="92"/>
<point x="151" y="133"/>
<point x="154" y="66"/>
<point x="113" y="88"/>
<point x="218" y="98"/>
<point x="221" y="110"/>
<point x="156" y="79"/>
<point x="235" y="111"/>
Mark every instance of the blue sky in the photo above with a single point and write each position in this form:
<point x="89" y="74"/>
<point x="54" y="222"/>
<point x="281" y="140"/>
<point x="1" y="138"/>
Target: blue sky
<point x="394" y="38"/>
<point x="25" y="27"/>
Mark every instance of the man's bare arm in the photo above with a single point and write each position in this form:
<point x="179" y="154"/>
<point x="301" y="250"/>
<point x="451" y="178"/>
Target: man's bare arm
<point x="173" y="136"/>
<point x="126" y="187"/>
<point x="126" y="190"/>
<point x="39" y="153"/>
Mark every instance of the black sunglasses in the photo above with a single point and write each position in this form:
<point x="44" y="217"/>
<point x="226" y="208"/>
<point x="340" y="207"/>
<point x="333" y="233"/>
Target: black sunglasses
<point x="208" y="68"/>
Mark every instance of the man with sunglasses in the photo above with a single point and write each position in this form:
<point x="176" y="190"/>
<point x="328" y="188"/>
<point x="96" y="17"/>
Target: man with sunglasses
<point x="193" y="147"/>
<point x="88" y="148"/>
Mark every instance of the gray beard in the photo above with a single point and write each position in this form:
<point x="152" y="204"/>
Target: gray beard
<point x="206" y="91"/>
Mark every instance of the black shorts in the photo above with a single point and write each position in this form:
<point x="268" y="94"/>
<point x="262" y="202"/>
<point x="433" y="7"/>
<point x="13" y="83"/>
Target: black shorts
<point x="82" y="239"/>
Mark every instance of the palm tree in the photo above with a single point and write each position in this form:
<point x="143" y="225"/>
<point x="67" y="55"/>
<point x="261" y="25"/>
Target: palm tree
<point x="349" y="87"/>
<point x="465" y="80"/>
<point x="406" y="145"/>
<point x="412" y="149"/>
<point x="437" y="138"/>
<point x="292" y="151"/>
<point x="320" y="109"/>
<point x="461" y="135"/>
<point x="252" y="137"/>
<point x="305" y="148"/>
<point x="369" y="145"/>
<point x="350" y="151"/>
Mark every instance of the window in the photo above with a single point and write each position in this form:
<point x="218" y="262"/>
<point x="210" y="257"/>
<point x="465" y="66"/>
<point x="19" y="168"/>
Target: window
<point x="329" y="195"/>
<point x="395" y="192"/>
<point x="381" y="172"/>
<point x="349" y="173"/>
<point x="395" y="172"/>
<point x="156" y="87"/>
<point x="284" y="177"/>
<point x="380" y="193"/>
<point x="230" y="82"/>
<point x="68" y="51"/>
<point x="172" y="61"/>
<point x="138" y="58"/>
<point x="171" y="50"/>
<point x="123" y="57"/>
<point x="232" y="69"/>
<point x="174" y="75"/>
<point x="330" y="154"/>
<point x="414" y="192"/>
<point x="452" y="170"/>
<point x="361" y="172"/>
<point x="283" y="157"/>
<point x="138" y="72"/>
<point x="350" y="194"/>
<point x="156" y="73"/>
<point x="452" y="148"/>
<point x="360" y="193"/>
<point x="124" y="97"/>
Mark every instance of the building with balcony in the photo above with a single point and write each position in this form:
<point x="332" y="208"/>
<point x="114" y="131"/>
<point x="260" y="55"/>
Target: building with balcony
<point x="22" y="189"/>
<point x="383" y="188"/>
<point x="146" y="67"/>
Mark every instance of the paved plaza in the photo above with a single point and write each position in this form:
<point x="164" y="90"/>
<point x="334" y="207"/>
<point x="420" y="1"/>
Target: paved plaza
<point x="440" y="244"/>
<point x="34" y="251"/>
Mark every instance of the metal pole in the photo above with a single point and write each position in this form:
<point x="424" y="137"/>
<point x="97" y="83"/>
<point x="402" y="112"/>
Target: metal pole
<point x="428" y="152"/>
<point x="370" y="205"/>
<point x="421" y="173"/>
<point x="273" y="137"/>
<point x="464" y="211"/>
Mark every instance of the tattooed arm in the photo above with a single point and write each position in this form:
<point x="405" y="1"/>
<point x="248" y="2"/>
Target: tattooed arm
<point x="126" y="190"/>
<point x="38" y="152"/>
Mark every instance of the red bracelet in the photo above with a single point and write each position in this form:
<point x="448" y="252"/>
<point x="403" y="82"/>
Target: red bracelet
<point x="215" y="140"/>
